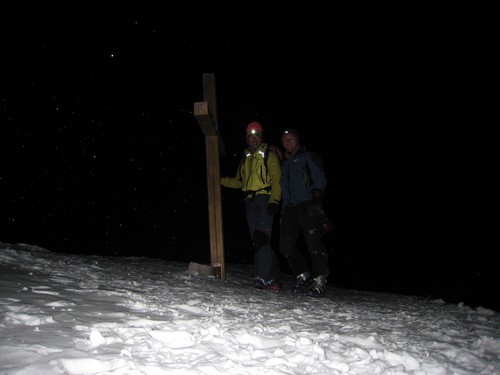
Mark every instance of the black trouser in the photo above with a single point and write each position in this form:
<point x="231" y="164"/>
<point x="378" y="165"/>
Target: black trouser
<point x="295" y="220"/>
<point x="260" y="225"/>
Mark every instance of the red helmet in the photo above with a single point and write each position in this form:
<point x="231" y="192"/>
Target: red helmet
<point x="254" y="128"/>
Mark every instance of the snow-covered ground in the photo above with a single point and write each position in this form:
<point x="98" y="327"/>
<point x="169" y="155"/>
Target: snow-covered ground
<point x="69" y="314"/>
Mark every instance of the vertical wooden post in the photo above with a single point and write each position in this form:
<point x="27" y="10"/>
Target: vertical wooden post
<point x="206" y="115"/>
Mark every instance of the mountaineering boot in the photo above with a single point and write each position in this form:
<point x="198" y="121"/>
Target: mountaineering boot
<point x="303" y="283"/>
<point x="259" y="283"/>
<point x="273" y="285"/>
<point x="318" y="287"/>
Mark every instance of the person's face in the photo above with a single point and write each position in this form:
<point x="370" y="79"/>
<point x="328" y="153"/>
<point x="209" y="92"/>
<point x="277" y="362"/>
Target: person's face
<point x="254" y="141"/>
<point x="290" y="142"/>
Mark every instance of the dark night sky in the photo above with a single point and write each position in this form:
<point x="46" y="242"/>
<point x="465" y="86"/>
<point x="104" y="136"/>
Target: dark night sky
<point x="101" y="152"/>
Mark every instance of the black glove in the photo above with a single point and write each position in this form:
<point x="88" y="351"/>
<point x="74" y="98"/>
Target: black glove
<point x="273" y="208"/>
<point x="318" y="195"/>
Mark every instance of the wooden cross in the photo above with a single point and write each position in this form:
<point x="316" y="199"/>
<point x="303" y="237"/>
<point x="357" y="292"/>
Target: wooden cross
<point x="206" y="115"/>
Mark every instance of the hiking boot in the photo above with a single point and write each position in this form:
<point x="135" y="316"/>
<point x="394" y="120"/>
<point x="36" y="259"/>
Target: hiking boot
<point x="318" y="287"/>
<point x="273" y="285"/>
<point x="303" y="283"/>
<point x="259" y="283"/>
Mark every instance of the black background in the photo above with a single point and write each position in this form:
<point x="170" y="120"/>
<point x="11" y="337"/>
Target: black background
<point x="101" y="152"/>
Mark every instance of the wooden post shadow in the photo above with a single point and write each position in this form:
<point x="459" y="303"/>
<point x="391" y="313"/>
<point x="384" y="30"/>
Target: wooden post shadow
<point x="206" y="115"/>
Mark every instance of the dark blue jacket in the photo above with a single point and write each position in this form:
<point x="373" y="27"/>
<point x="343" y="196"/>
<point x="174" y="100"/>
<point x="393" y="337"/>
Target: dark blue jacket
<point x="301" y="173"/>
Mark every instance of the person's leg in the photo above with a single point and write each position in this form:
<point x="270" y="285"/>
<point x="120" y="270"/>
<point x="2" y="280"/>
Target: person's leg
<point x="252" y="214"/>
<point x="266" y="260"/>
<point x="317" y="251"/>
<point x="313" y="240"/>
<point x="289" y="234"/>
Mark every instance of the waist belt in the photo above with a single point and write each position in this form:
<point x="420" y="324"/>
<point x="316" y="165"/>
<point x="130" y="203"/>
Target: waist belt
<point x="251" y="193"/>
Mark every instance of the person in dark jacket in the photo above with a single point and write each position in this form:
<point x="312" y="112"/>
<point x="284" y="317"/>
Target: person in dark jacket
<point x="303" y="184"/>
<point x="258" y="176"/>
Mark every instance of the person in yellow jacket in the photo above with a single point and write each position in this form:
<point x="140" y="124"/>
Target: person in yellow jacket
<point x="258" y="176"/>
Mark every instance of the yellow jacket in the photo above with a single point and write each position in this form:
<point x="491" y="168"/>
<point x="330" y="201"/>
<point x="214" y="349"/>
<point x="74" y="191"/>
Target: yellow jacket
<point x="253" y="176"/>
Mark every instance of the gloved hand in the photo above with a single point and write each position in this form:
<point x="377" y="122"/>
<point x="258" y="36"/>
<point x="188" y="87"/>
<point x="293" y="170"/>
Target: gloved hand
<point x="318" y="195"/>
<point x="273" y="208"/>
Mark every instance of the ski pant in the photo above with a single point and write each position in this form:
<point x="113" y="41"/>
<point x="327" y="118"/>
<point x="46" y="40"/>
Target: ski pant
<point x="260" y="225"/>
<point x="294" y="221"/>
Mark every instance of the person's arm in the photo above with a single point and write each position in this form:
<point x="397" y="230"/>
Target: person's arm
<point x="276" y="150"/>
<point x="274" y="170"/>
<point x="233" y="182"/>
<point x="317" y="172"/>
